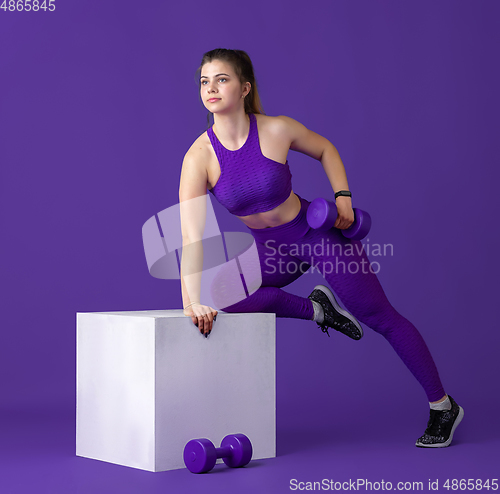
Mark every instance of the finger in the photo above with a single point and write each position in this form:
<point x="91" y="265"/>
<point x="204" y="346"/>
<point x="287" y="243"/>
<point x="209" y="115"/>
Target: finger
<point x="210" y="321"/>
<point x="346" y="223"/>
<point x="215" y="318"/>
<point x="207" y="325"/>
<point x="201" y="324"/>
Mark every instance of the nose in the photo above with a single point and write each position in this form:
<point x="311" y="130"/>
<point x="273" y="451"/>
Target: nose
<point x="210" y="87"/>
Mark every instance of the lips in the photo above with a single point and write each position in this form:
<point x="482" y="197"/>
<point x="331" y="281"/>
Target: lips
<point x="211" y="100"/>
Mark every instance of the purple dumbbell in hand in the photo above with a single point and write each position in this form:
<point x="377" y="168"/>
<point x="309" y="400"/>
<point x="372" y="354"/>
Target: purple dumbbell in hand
<point x="322" y="214"/>
<point x="200" y="455"/>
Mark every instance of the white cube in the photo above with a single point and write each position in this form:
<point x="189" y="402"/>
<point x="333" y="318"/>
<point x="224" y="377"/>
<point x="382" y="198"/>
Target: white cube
<point x="148" y="382"/>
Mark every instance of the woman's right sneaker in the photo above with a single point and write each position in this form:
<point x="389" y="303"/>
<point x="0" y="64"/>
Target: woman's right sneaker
<point x="334" y="316"/>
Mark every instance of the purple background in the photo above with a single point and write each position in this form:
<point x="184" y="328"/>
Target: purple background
<point x="98" y="106"/>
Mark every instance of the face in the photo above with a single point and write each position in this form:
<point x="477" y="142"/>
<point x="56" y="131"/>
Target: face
<point x="220" y="88"/>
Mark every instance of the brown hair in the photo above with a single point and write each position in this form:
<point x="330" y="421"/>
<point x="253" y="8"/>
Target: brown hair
<point x="242" y="66"/>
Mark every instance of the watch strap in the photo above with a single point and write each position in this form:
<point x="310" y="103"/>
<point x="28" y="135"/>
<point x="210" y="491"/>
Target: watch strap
<point x="346" y="193"/>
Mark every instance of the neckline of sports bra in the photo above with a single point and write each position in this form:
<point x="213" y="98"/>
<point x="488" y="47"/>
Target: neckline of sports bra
<point x="265" y="157"/>
<point x="250" y="115"/>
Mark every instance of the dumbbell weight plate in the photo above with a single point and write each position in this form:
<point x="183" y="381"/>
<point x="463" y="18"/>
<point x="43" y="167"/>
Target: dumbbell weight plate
<point x="361" y="226"/>
<point x="200" y="455"/>
<point x="321" y="214"/>
<point x="241" y="448"/>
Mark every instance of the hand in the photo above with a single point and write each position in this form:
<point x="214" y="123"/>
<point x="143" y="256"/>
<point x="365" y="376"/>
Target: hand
<point x="202" y="316"/>
<point x="345" y="213"/>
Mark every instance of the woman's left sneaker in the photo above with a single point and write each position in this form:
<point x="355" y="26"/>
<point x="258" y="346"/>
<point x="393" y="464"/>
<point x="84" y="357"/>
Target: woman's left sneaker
<point x="335" y="317"/>
<point x="441" y="426"/>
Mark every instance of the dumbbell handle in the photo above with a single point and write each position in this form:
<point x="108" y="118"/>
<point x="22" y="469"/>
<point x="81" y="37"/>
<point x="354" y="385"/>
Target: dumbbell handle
<point x="224" y="452"/>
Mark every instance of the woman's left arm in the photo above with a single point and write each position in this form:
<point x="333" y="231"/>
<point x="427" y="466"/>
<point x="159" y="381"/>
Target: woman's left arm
<point x="318" y="147"/>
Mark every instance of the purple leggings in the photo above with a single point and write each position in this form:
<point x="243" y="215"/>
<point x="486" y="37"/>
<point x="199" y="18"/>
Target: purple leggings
<point x="289" y="250"/>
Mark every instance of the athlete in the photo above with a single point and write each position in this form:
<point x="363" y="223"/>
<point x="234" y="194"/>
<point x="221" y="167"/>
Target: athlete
<point x="242" y="161"/>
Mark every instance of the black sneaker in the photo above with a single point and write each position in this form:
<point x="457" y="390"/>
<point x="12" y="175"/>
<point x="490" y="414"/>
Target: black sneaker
<point x="441" y="426"/>
<point x="335" y="317"/>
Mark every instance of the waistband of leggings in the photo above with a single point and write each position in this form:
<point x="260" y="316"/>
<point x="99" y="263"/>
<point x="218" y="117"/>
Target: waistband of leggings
<point x="287" y="232"/>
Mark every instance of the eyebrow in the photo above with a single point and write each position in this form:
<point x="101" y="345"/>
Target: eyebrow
<point x="204" y="76"/>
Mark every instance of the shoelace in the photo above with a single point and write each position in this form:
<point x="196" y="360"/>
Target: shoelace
<point x="434" y="424"/>
<point x="323" y="328"/>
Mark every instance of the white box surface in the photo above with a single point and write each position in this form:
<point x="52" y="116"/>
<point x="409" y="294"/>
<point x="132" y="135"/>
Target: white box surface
<point x="148" y="382"/>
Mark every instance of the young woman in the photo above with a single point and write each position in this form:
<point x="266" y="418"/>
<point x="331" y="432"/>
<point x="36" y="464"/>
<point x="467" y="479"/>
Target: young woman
<point x="242" y="161"/>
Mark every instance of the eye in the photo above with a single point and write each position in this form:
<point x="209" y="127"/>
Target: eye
<point x="222" y="79"/>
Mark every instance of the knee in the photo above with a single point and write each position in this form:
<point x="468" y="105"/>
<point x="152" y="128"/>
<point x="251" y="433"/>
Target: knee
<point x="232" y="308"/>
<point x="383" y="319"/>
<point x="227" y="288"/>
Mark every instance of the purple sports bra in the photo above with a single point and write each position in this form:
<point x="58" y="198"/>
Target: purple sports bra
<point x="249" y="182"/>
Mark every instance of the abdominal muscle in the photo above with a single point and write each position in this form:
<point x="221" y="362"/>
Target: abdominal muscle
<point x="281" y="214"/>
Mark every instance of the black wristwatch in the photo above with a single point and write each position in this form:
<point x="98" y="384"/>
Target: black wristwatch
<point x="343" y="193"/>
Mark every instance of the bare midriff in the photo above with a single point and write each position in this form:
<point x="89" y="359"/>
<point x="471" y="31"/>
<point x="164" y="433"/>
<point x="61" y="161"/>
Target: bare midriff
<point x="281" y="214"/>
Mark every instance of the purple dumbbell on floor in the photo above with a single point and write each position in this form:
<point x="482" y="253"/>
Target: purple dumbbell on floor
<point x="200" y="455"/>
<point x="322" y="214"/>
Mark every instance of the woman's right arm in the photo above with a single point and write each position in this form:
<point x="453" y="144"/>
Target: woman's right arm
<point x="192" y="201"/>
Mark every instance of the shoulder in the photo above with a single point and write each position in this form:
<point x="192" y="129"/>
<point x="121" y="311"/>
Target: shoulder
<point x="301" y="138"/>
<point x="194" y="172"/>
<point x="271" y="123"/>
<point x="280" y="125"/>
<point x="198" y="154"/>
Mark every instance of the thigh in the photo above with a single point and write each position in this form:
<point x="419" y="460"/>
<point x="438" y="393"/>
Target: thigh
<point x="345" y="266"/>
<point x="277" y="266"/>
<point x="259" y="266"/>
<point x="268" y="264"/>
